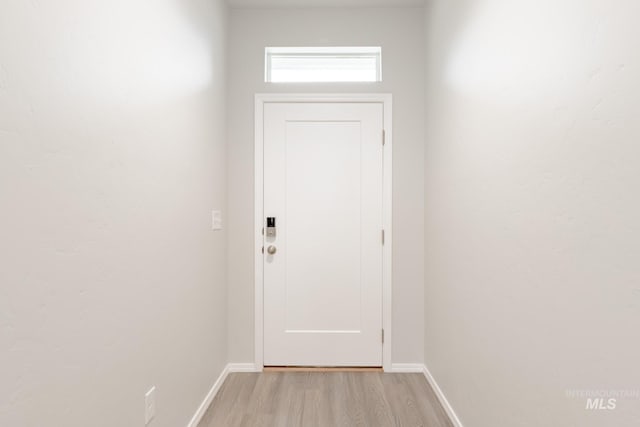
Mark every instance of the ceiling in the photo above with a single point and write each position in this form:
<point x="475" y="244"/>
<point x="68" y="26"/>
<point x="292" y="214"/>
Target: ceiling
<point x="324" y="3"/>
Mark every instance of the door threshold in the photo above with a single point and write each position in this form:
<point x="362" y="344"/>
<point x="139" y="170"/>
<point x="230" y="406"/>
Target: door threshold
<point x="321" y="369"/>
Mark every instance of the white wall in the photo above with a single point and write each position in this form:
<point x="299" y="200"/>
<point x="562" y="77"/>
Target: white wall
<point x="532" y="208"/>
<point x="400" y="33"/>
<point x="112" y="155"/>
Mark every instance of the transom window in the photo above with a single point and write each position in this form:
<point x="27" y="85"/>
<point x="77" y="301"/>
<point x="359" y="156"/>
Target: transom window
<point x="323" y="64"/>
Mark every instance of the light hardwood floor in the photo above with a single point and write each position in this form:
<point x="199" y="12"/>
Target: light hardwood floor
<point x="325" y="399"/>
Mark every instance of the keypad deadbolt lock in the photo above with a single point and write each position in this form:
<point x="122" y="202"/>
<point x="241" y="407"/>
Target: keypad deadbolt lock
<point x="271" y="226"/>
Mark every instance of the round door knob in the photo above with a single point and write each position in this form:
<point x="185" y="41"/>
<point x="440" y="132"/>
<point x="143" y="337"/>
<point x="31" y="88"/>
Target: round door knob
<point x="271" y="250"/>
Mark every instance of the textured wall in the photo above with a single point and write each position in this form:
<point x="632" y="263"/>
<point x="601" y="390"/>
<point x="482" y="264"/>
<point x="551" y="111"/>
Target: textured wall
<point x="112" y="155"/>
<point x="400" y="33"/>
<point x="531" y="217"/>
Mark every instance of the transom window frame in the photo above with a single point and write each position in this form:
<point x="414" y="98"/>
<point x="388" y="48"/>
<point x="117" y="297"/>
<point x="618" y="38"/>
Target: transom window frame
<point x="333" y="54"/>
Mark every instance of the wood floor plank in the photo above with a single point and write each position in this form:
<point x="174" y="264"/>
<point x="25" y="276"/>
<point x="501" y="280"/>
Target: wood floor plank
<point x="430" y="407"/>
<point x="325" y="398"/>
<point x="264" y="400"/>
<point x="231" y="402"/>
<point x="378" y="410"/>
<point x="403" y="408"/>
<point x="325" y="410"/>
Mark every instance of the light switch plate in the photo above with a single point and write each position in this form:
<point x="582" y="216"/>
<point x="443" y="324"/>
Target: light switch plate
<point x="216" y="220"/>
<point x="149" y="405"/>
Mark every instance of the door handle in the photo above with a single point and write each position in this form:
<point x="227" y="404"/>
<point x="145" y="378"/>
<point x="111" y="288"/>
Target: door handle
<point x="271" y="250"/>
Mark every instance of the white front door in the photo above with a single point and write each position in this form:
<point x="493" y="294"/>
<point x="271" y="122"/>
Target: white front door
<point x="323" y="188"/>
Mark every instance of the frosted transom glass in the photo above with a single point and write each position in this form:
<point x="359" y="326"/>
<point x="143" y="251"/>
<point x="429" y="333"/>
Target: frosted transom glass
<point x="323" y="64"/>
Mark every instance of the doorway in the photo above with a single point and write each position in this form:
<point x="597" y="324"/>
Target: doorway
<point x="323" y="230"/>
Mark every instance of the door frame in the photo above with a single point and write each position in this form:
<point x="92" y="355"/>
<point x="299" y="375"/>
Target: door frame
<point x="387" y="203"/>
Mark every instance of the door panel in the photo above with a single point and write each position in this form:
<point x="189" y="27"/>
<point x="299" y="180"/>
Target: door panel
<point x="323" y="184"/>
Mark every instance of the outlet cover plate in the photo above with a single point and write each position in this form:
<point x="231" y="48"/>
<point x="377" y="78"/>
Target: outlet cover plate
<point x="216" y="220"/>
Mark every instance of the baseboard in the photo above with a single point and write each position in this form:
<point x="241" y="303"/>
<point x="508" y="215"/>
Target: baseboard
<point x="243" y="367"/>
<point x="399" y="368"/>
<point x="209" y="398"/>
<point x="441" y="397"/>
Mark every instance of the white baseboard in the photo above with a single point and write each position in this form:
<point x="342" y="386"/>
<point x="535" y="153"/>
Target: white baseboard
<point x="209" y="398"/>
<point x="441" y="397"/>
<point x="243" y="367"/>
<point x="230" y="368"/>
<point x="399" y="368"/>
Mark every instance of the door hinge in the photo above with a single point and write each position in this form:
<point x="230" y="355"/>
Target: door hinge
<point x="383" y="336"/>
<point x="383" y="237"/>
<point x="384" y="137"/>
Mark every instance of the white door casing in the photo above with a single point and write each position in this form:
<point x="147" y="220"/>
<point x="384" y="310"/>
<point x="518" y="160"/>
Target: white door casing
<point x="323" y="172"/>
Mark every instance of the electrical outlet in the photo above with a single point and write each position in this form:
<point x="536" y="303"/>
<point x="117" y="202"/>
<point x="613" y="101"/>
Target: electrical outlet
<point x="216" y="220"/>
<point x="149" y="405"/>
